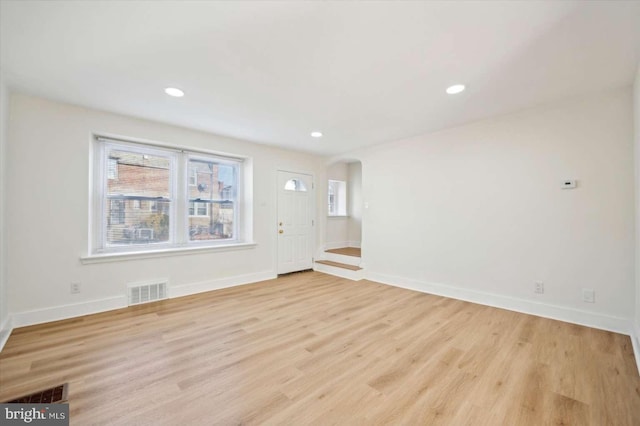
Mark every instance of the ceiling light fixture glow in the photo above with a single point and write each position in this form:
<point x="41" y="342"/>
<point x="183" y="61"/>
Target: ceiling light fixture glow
<point x="456" y="88"/>
<point x="172" y="91"/>
<point x="316" y="134"/>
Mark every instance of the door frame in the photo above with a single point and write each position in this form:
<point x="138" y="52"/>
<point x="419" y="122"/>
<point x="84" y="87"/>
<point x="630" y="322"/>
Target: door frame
<point x="314" y="215"/>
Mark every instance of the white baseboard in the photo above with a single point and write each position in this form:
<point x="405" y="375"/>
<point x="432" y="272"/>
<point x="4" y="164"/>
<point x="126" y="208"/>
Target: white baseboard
<point x="635" y="340"/>
<point x="561" y="313"/>
<point x="5" y="331"/>
<point x="56" y="313"/>
<point x="355" y="244"/>
<point x="217" y="284"/>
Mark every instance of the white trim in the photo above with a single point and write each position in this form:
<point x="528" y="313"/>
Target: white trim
<point x="561" y="313"/>
<point x="339" y="188"/>
<point x="338" y="272"/>
<point x="5" y="332"/>
<point x="220" y="283"/>
<point x="118" y="257"/>
<point x="355" y="244"/>
<point x="635" y="341"/>
<point x="165" y="145"/>
<point x="57" y="313"/>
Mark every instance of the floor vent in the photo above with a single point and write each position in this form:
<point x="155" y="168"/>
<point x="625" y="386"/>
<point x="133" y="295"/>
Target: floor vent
<point x="55" y="395"/>
<point x="147" y="292"/>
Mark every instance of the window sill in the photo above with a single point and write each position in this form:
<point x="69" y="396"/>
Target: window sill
<point x="121" y="257"/>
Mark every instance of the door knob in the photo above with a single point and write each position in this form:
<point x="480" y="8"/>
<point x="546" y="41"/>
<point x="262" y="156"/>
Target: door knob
<point x="280" y="224"/>
<point x="280" y="231"/>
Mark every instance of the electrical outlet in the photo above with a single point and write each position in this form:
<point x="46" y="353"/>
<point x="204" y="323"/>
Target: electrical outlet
<point x="538" y="287"/>
<point x="588" y="295"/>
<point x="75" y="288"/>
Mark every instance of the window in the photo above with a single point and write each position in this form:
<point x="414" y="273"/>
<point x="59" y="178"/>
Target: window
<point x="213" y="200"/>
<point x="337" y="198"/>
<point x="150" y="197"/>
<point x="112" y="168"/>
<point x="295" y="185"/>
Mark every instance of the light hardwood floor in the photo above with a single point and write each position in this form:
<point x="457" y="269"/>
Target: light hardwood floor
<point x="339" y="265"/>
<point x="346" y="251"/>
<point x="311" y="348"/>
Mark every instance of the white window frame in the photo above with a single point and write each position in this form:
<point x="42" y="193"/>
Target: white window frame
<point x="337" y="188"/>
<point x="194" y="156"/>
<point x="179" y="200"/>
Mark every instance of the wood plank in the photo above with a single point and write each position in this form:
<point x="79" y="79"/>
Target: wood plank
<point x="311" y="348"/>
<point x="346" y="251"/>
<point x="339" y="265"/>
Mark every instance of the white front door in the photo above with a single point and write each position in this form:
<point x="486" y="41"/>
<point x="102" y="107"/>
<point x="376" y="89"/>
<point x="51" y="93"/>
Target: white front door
<point x="295" y="222"/>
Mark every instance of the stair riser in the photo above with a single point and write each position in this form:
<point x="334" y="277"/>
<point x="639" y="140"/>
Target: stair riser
<point x="341" y="258"/>
<point x="339" y="272"/>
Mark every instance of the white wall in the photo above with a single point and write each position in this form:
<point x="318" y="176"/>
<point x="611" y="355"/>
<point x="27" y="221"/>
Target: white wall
<point x="47" y="224"/>
<point x="4" y="122"/>
<point x="477" y="211"/>
<point x="337" y="234"/>
<point x="354" y="192"/>
<point x="482" y="211"/>
<point x="636" y="119"/>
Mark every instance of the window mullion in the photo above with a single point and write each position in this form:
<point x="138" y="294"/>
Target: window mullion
<point x="181" y="202"/>
<point x="237" y="196"/>
<point x="100" y="186"/>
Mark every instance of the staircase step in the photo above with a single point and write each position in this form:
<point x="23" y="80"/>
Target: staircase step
<point x="343" y="270"/>
<point x="346" y="251"/>
<point x="341" y="258"/>
<point x="339" y="265"/>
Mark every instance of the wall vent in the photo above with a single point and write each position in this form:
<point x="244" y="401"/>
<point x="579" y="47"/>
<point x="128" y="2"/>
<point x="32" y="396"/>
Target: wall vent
<point x="146" y="292"/>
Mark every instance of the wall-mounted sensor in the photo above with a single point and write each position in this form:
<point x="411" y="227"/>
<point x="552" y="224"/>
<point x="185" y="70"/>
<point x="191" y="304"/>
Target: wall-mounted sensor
<point x="569" y="184"/>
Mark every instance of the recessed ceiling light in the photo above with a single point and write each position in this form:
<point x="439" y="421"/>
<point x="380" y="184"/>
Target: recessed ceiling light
<point x="172" y="91"/>
<point x="316" y="134"/>
<point x="456" y="88"/>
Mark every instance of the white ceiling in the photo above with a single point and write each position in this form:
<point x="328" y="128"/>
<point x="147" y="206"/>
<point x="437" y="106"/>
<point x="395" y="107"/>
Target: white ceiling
<point x="361" y="72"/>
